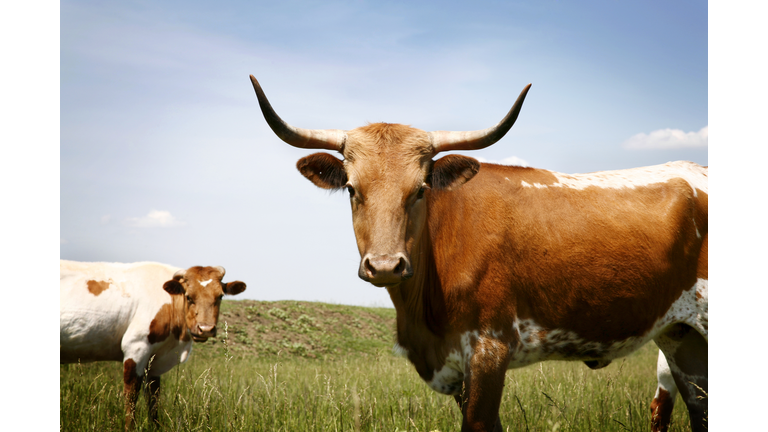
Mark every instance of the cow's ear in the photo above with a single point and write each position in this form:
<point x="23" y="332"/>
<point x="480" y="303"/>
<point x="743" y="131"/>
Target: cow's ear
<point x="452" y="171"/>
<point x="323" y="170"/>
<point x="234" y="287"/>
<point x="173" y="287"/>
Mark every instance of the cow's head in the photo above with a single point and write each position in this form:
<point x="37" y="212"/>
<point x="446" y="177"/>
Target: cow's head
<point x="203" y="290"/>
<point x="387" y="170"/>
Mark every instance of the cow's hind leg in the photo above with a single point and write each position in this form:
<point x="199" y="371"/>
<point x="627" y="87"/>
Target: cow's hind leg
<point x="685" y="351"/>
<point x="664" y="400"/>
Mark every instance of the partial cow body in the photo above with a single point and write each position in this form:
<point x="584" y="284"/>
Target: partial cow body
<point x="571" y="277"/>
<point x="493" y="267"/>
<point x="145" y="315"/>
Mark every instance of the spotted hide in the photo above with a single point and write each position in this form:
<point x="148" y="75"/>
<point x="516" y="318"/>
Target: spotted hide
<point x="495" y="267"/>
<point x="145" y="315"/>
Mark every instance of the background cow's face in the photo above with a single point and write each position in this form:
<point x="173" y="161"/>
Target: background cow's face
<point x="388" y="172"/>
<point x="203" y="290"/>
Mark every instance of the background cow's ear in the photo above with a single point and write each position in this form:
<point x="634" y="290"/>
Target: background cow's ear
<point x="323" y="170"/>
<point x="234" y="287"/>
<point x="452" y="171"/>
<point x="173" y="286"/>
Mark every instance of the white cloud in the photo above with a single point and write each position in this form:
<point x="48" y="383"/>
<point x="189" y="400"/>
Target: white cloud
<point x="154" y="219"/>
<point x="668" y="139"/>
<point x="512" y="160"/>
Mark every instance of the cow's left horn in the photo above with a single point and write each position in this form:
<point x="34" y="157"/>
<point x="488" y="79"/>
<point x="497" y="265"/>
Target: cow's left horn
<point x="329" y="139"/>
<point x="179" y="274"/>
<point x="475" y="140"/>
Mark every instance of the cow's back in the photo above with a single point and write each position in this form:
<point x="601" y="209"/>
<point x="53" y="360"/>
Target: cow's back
<point x="99" y="302"/>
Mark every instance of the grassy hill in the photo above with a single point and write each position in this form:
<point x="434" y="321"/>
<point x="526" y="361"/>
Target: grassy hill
<point x="302" y="329"/>
<point x="305" y="366"/>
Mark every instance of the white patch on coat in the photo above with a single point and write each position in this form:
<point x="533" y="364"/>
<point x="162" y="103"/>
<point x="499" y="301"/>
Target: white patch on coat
<point x="205" y="283"/>
<point x="536" y="185"/>
<point x="698" y="234"/>
<point x="449" y="378"/>
<point x="694" y="174"/>
<point x="399" y="350"/>
<point x="691" y="308"/>
<point x="483" y="346"/>
<point x="665" y="379"/>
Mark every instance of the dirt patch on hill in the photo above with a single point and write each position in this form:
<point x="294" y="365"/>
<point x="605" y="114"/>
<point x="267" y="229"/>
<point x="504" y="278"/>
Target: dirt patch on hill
<point x="306" y="329"/>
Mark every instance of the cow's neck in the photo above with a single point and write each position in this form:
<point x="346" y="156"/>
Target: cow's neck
<point x="422" y="319"/>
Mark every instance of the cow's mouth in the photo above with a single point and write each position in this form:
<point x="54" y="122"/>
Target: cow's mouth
<point x="385" y="285"/>
<point x="198" y="338"/>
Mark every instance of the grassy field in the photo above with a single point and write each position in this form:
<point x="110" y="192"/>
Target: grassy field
<point x="300" y="366"/>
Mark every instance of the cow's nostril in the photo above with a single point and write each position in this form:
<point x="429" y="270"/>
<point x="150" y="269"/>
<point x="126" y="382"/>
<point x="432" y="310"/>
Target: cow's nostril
<point x="399" y="267"/>
<point x="369" y="268"/>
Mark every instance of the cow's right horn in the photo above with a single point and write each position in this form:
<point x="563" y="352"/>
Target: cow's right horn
<point x="328" y="139"/>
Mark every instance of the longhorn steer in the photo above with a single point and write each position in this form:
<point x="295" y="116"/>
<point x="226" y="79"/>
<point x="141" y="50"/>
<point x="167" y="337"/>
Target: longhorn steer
<point x="519" y="265"/>
<point x="144" y="314"/>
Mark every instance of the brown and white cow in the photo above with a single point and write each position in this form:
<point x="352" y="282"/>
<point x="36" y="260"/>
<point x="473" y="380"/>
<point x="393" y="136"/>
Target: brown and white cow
<point x="145" y="315"/>
<point x="493" y="267"/>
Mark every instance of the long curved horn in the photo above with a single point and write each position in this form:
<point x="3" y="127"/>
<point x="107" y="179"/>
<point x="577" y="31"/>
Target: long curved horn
<point x="329" y="139"/>
<point x="475" y="140"/>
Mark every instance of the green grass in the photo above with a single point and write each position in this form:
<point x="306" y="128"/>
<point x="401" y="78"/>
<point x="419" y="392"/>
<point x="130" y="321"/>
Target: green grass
<point x="348" y="380"/>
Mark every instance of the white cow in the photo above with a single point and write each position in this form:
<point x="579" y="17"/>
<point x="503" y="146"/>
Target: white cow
<point x="145" y="315"/>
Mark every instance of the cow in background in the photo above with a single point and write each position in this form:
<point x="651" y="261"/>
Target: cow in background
<point x="494" y="267"/>
<point x="145" y="315"/>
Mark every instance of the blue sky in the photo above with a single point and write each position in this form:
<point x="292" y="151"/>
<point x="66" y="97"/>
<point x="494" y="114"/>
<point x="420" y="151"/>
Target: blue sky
<point x="165" y="155"/>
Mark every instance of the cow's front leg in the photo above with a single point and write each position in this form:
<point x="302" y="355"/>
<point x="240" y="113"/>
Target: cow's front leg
<point x="132" y="384"/>
<point x="152" y="394"/>
<point x="483" y="386"/>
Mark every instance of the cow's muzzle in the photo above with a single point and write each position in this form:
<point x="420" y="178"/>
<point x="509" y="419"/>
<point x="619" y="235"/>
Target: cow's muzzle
<point x="385" y="270"/>
<point x="201" y="332"/>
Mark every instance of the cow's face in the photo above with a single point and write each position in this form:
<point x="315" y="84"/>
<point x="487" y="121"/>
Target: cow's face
<point x="388" y="172"/>
<point x="202" y="291"/>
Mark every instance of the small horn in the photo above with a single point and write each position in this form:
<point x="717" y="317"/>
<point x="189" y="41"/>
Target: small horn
<point x="475" y="140"/>
<point x="179" y="274"/>
<point x="328" y="139"/>
<point x="221" y="270"/>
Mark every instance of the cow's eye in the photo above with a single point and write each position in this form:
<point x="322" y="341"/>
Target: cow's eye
<point x="420" y="193"/>
<point x="189" y="299"/>
<point x="221" y="296"/>
<point x="351" y="191"/>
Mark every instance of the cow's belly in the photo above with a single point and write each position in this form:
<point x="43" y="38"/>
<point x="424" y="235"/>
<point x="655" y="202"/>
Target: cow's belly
<point x="534" y="343"/>
<point x="558" y="344"/>
<point x="85" y="353"/>
<point x="90" y="335"/>
<point x="527" y="343"/>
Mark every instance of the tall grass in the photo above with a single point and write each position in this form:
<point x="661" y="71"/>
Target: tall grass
<point x="378" y="392"/>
